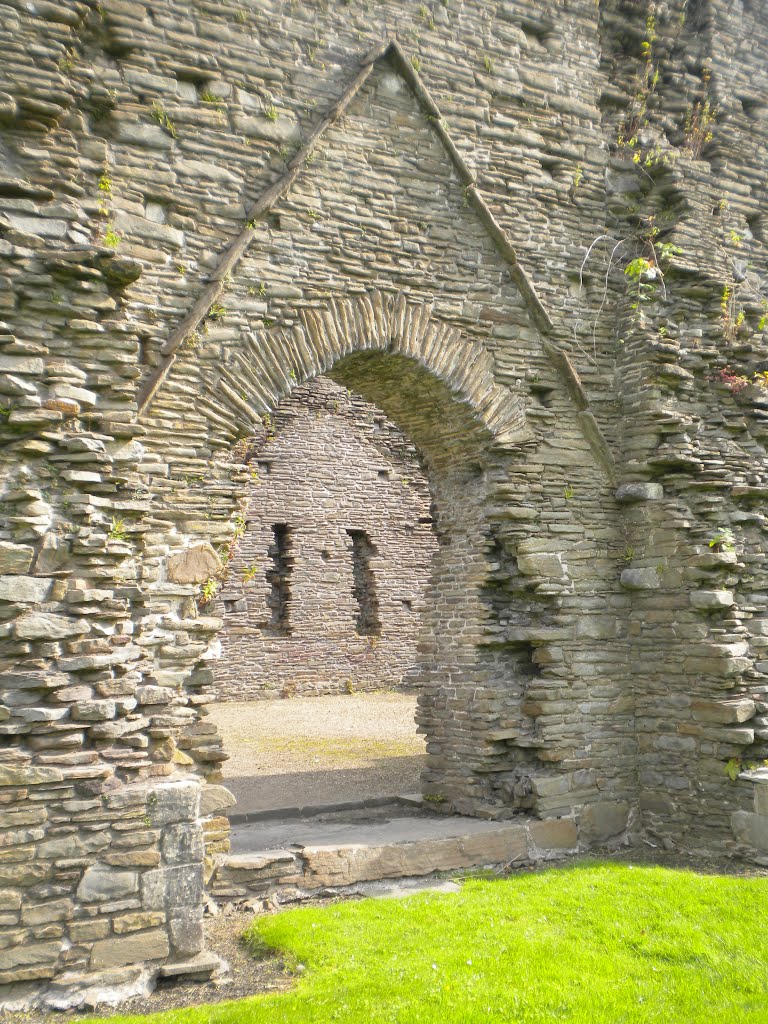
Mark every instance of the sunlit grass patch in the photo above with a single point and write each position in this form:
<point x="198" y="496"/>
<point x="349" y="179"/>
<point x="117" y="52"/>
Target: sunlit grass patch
<point x="594" y="943"/>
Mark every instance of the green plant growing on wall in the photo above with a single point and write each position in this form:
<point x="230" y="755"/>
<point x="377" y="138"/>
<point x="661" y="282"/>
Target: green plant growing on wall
<point x="426" y="16"/>
<point x="159" y="114"/>
<point x="732" y="315"/>
<point x="68" y="61"/>
<point x="208" y="590"/>
<point x="111" y="237"/>
<point x="489" y="64"/>
<point x="416" y="64"/>
<point x="271" y="112"/>
<point x="216" y="311"/>
<point x="239" y="523"/>
<point x="723" y="540"/>
<point x="250" y="572"/>
<point x="207" y="96"/>
<point x="630" y="131"/>
<point x="640" y="273"/>
<point x="699" y="119"/>
<point x="736" y="765"/>
<point x="698" y="127"/>
<point x="645" y="86"/>
<point x="640" y="257"/>
<point x="105" y="192"/>
<point x="117" y="530"/>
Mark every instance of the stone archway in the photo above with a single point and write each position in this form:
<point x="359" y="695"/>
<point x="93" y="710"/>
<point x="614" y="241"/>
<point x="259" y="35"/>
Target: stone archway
<point x="438" y="386"/>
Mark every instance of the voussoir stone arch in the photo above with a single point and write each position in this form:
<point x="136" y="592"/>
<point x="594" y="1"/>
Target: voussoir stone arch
<point x="271" y="362"/>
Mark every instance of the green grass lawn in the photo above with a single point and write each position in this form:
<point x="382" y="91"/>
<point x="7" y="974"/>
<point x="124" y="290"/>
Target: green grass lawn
<point x="594" y="943"/>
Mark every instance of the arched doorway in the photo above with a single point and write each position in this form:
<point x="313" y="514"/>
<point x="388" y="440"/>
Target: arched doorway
<point x="322" y="601"/>
<point x="438" y="387"/>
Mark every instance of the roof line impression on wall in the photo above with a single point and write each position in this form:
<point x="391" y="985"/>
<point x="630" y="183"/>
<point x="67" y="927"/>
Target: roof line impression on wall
<point x="391" y="50"/>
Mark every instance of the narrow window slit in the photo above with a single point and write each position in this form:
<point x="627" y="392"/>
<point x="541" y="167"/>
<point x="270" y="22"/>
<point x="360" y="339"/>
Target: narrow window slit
<point x="279" y="579"/>
<point x="364" y="584"/>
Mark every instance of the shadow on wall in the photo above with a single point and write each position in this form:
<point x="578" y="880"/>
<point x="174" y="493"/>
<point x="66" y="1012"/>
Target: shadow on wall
<point x="385" y="776"/>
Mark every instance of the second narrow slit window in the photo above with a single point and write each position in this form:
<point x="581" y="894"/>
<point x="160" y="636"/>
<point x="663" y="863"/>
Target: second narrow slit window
<point x="364" y="583"/>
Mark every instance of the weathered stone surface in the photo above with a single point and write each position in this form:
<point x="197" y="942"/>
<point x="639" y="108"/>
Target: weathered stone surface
<point x="29" y="776"/>
<point x="29" y="954"/>
<point x="138" y="921"/>
<point x="53" y="910"/>
<point x="641" y="579"/>
<point x="101" y="882"/>
<point x="639" y="492"/>
<point x="183" y="844"/>
<point x="712" y="599"/>
<point x="24" y="589"/>
<point x="215" y="798"/>
<point x="186" y="932"/>
<point x="555" y="834"/>
<point x="15" y="558"/>
<point x="194" y="565"/>
<point x="604" y="820"/>
<point x="751" y="829"/>
<point x="725" y="711"/>
<point x="130" y="949"/>
<point x="540" y="565"/>
<point x="40" y="625"/>
<point x="173" y="802"/>
<point x="76" y="845"/>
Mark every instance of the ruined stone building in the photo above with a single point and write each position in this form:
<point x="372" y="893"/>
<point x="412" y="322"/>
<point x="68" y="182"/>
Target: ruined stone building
<point x="524" y="242"/>
<point x="326" y="587"/>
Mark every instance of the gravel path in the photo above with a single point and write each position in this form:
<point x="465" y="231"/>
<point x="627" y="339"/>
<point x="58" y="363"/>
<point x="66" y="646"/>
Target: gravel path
<point x="307" y="751"/>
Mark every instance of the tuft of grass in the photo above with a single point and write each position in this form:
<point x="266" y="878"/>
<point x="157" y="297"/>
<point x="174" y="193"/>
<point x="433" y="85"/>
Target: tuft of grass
<point x="593" y="943"/>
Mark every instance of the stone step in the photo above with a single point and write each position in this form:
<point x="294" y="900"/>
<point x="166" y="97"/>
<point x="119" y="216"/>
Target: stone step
<point x="320" y="854"/>
<point x="196" y="968"/>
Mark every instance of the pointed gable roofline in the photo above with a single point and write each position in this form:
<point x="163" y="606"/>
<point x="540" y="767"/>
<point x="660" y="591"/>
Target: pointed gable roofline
<point x="390" y="50"/>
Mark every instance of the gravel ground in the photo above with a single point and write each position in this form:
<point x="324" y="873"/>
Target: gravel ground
<point x="305" y="751"/>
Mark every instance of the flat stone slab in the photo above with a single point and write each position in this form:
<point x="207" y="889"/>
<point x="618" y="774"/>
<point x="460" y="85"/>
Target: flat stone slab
<point x="201" y="966"/>
<point x="274" y="835"/>
<point x="318" y="853"/>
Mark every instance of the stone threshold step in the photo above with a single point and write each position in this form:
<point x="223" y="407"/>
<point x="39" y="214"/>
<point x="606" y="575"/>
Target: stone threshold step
<point x="315" y="854"/>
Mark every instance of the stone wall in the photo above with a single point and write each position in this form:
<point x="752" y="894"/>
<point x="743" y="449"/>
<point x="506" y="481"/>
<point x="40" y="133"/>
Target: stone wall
<point x="325" y="590"/>
<point x="464" y="214"/>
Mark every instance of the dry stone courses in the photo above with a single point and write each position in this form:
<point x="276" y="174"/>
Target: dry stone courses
<point x="518" y="232"/>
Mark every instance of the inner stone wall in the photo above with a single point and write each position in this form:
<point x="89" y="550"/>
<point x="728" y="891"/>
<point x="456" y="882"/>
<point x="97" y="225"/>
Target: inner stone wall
<point x="325" y="590"/>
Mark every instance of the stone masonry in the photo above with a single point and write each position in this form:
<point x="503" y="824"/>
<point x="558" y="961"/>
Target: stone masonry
<point x="325" y="590"/>
<point x="531" y="235"/>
